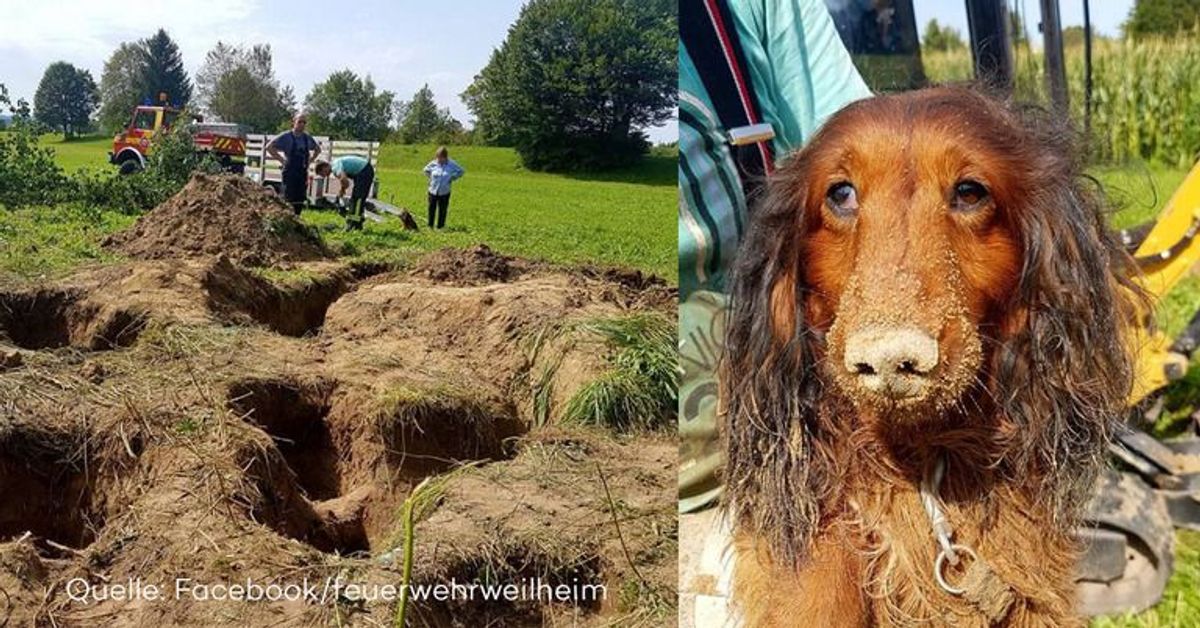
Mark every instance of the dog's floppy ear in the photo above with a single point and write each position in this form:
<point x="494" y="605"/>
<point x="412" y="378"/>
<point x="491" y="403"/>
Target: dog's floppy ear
<point x="1063" y="370"/>
<point x="769" y="387"/>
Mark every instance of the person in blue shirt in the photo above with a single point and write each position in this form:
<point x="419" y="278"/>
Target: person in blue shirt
<point x="294" y="149"/>
<point x="441" y="171"/>
<point x="351" y="169"/>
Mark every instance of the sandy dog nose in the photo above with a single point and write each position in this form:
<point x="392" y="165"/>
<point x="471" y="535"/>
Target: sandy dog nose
<point x="890" y="361"/>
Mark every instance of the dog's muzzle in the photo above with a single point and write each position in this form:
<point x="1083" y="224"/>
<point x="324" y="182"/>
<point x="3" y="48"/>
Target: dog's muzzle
<point x="894" y="362"/>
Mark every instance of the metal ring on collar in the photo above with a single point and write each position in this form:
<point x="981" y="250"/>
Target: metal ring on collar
<point x="940" y="563"/>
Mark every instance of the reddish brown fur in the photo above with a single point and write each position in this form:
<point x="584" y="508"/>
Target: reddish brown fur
<point x="822" y="474"/>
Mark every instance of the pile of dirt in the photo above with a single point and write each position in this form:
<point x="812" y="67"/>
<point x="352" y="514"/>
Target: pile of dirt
<point x="215" y="214"/>
<point x="476" y="265"/>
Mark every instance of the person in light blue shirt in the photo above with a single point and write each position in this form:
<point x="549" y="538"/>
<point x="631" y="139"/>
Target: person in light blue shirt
<point x="441" y="172"/>
<point x="351" y="169"/>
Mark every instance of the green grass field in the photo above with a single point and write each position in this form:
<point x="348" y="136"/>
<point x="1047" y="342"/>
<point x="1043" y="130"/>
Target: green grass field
<point x="623" y="218"/>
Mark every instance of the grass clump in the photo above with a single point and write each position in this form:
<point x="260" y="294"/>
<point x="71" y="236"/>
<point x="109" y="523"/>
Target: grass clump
<point x="420" y="503"/>
<point x="640" y="387"/>
<point x="403" y="402"/>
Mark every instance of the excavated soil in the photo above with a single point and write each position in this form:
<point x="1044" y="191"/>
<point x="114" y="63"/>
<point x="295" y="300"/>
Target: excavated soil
<point x="221" y="214"/>
<point x="193" y="418"/>
<point x="476" y="265"/>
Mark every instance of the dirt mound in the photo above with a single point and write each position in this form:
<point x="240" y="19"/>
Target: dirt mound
<point x="476" y="265"/>
<point x="216" y="214"/>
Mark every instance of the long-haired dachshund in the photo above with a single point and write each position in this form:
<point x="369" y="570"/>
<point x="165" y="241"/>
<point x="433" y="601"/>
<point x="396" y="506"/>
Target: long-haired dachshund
<point x="927" y="348"/>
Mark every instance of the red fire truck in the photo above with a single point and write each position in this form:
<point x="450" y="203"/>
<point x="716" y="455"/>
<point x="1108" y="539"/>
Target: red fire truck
<point x="131" y="146"/>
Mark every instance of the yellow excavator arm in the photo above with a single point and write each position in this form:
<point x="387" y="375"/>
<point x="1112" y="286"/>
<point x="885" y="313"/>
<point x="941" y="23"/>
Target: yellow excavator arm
<point x="1170" y="250"/>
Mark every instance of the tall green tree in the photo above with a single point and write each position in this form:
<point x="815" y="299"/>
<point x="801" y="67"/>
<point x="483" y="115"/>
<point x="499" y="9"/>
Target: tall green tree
<point x="576" y="82"/>
<point x="942" y="38"/>
<point x="163" y="69"/>
<point x="484" y="98"/>
<point x="224" y="59"/>
<point x="65" y="98"/>
<point x="242" y="97"/>
<point x="121" y="87"/>
<point x="1162" y="17"/>
<point x="238" y="84"/>
<point x="423" y="121"/>
<point x="345" y="106"/>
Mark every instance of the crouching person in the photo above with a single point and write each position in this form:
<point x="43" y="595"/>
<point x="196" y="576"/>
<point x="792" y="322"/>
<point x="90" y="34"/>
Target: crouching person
<point x="355" y="170"/>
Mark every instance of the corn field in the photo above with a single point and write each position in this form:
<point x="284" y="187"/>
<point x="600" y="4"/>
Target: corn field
<point x="1145" y="94"/>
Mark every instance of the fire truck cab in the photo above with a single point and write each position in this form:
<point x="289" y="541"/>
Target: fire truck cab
<point x="131" y="146"/>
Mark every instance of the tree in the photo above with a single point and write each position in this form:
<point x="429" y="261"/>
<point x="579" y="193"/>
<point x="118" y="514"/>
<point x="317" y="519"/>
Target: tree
<point x="65" y="98"/>
<point x="942" y="38"/>
<point x="576" y="82"/>
<point x="238" y="84"/>
<point x="483" y="98"/>
<point x="1073" y="36"/>
<point x="241" y="97"/>
<point x="1016" y="29"/>
<point x="224" y="59"/>
<point x="20" y="111"/>
<point x="345" y="106"/>
<point x="163" y="69"/>
<point x="121" y="87"/>
<point x="1162" y="17"/>
<point x="422" y="120"/>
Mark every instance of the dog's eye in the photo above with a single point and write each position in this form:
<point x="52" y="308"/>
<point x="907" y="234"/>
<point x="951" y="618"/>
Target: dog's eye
<point x="968" y="195"/>
<point x="842" y="198"/>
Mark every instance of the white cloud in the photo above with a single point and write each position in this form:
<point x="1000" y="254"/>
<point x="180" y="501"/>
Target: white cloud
<point x="91" y="28"/>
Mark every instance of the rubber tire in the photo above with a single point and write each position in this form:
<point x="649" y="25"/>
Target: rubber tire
<point x="130" y="166"/>
<point x="1122" y="502"/>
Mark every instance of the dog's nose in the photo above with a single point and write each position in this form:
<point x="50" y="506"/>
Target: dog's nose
<point x="891" y="361"/>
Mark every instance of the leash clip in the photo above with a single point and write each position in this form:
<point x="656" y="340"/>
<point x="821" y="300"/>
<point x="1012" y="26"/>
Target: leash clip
<point x="940" y="564"/>
<point x="931" y="485"/>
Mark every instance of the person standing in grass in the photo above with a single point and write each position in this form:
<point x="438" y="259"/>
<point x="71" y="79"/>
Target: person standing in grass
<point x="441" y="172"/>
<point x="351" y="169"/>
<point x="293" y="150"/>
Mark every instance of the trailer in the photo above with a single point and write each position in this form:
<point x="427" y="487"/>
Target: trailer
<point x="262" y="169"/>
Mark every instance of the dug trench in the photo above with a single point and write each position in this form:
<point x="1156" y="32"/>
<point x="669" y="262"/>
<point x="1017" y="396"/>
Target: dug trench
<point x="50" y="493"/>
<point x="53" y="318"/>
<point x="339" y="480"/>
<point x="266" y="423"/>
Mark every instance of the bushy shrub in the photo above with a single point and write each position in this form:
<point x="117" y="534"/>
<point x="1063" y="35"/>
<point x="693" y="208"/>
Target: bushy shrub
<point x="129" y="194"/>
<point x="168" y="167"/>
<point x="28" y="173"/>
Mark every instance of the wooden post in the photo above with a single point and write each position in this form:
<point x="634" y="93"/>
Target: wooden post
<point x="1087" y="69"/>
<point x="987" y="21"/>
<point x="1052" y="47"/>
<point x="262" y="160"/>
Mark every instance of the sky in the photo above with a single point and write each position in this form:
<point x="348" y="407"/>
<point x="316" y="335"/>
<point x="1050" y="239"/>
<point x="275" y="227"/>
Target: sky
<point x="1106" y="15"/>
<point x="400" y="44"/>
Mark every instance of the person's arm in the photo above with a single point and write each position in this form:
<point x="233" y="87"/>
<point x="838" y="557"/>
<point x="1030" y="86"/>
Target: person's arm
<point x="343" y="183"/>
<point x="458" y="171"/>
<point x="273" y="150"/>
<point x="428" y="170"/>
